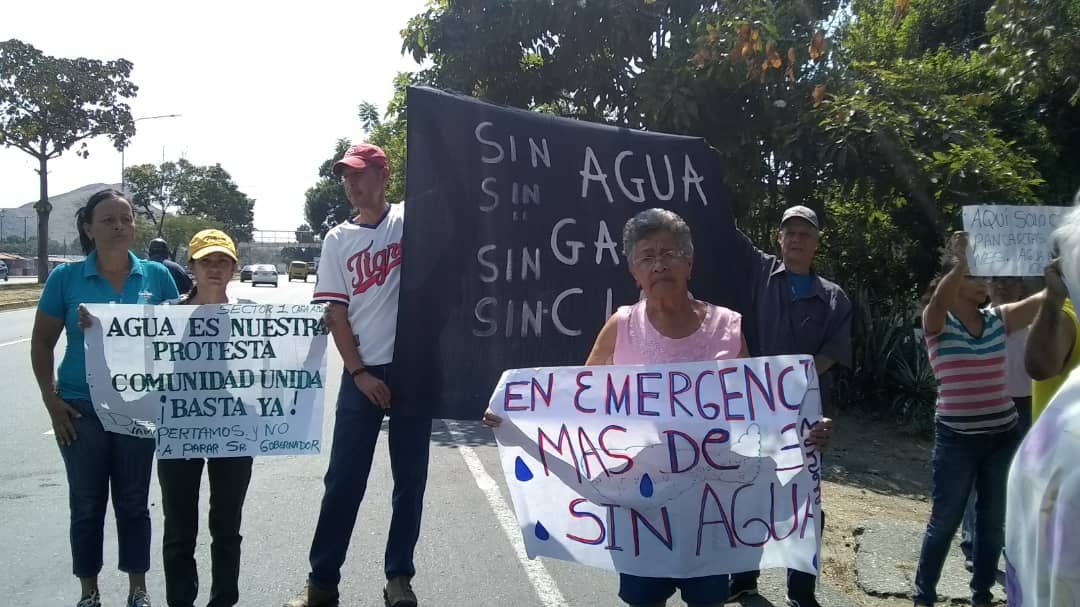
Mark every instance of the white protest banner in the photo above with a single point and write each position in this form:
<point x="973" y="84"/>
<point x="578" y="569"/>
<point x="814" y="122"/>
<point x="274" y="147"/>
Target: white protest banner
<point x="679" y="470"/>
<point x="1009" y="240"/>
<point x="210" y="381"/>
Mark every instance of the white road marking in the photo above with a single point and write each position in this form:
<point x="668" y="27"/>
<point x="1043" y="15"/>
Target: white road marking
<point x="17" y="341"/>
<point x="541" y="580"/>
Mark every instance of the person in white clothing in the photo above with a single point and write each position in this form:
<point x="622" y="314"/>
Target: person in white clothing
<point x="359" y="278"/>
<point x="1042" y="556"/>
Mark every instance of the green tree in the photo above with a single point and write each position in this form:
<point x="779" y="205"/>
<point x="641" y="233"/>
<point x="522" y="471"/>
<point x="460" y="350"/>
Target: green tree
<point x="1035" y="46"/>
<point x="742" y="74"/>
<point x="917" y="117"/>
<point x="325" y="204"/>
<point x="18" y="245"/>
<point x="304" y="233"/>
<point x="881" y="110"/>
<point x="159" y="191"/>
<point x="299" y="254"/>
<point x="178" y="232"/>
<point x="214" y="196"/>
<point x="390" y="134"/>
<point x="50" y="104"/>
<point x="369" y="116"/>
<point x="1036" y="43"/>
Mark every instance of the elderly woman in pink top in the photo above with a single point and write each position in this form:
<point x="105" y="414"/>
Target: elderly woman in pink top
<point x="666" y="326"/>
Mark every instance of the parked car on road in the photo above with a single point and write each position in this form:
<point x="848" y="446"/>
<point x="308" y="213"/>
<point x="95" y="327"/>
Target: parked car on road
<point x="245" y="273"/>
<point x="298" y="270"/>
<point x="264" y="274"/>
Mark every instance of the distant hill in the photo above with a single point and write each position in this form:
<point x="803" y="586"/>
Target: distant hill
<point x="61" y="220"/>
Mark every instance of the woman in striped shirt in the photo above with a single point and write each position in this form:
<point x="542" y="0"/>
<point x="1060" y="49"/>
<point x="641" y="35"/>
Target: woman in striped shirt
<point x="976" y="430"/>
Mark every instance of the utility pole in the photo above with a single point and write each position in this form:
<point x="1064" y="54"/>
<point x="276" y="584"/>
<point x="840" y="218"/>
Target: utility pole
<point x="123" y="179"/>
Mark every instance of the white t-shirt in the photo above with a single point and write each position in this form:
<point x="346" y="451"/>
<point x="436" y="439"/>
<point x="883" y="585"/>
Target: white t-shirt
<point x="1043" y="507"/>
<point x="1016" y="376"/>
<point x="360" y="267"/>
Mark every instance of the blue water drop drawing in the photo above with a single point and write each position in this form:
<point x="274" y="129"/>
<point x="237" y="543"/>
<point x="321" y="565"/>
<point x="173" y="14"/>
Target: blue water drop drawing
<point x="646" y="486"/>
<point x="521" y="471"/>
<point x="541" y="533"/>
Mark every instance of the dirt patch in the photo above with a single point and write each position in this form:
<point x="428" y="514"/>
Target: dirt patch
<point x="871" y="470"/>
<point x="19" y="296"/>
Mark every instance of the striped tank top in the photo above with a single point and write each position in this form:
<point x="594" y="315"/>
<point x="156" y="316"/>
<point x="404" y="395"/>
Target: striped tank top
<point x="972" y="394"/>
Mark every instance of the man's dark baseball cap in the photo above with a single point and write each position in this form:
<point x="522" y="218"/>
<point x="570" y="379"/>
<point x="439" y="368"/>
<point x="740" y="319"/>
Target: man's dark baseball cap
<point x="361" y="157"/>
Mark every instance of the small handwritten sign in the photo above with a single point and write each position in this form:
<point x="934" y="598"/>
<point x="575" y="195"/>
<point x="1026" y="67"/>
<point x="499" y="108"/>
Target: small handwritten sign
<point x="1009" y="240"/>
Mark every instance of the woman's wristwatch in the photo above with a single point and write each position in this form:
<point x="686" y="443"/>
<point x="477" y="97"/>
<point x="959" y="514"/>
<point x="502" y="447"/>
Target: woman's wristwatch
<point x="358" y="372"/>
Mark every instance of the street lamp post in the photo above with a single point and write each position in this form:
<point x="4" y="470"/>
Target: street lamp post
<point x="123" y="181"/>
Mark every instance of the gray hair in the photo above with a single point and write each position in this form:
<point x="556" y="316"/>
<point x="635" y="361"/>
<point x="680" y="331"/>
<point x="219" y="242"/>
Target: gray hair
<point x="651" y="221"/>
<point x="1066" y="239"/>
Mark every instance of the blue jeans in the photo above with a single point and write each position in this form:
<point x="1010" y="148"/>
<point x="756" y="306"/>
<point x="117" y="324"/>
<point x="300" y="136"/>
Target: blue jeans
<point x="96" y="460"/>
<point x="967" y="530"/>
<point x="356" y="432"/>
<point x="963" y="462"/>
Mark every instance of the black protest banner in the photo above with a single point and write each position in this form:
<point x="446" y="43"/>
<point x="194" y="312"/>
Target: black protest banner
<point x="512" y="251"/>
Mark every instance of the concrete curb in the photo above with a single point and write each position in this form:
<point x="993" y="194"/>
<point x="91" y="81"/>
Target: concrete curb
<point x="16" y="305"/>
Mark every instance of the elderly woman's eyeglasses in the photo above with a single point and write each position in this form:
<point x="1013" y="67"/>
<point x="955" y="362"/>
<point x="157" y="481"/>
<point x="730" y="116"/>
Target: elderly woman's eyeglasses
<point x="665" y="258"/>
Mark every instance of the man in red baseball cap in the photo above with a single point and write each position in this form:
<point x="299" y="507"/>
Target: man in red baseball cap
<point x="362" y="156"/>
<point x="359" y="279"/>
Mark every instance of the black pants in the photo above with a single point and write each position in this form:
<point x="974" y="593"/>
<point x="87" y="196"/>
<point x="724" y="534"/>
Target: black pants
<point x="801" y="586"/>
<point x="180" y="480"/>
<point x="1023" y="408"/>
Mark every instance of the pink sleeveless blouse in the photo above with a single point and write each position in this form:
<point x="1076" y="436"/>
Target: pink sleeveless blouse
<point x="637" y="342"/>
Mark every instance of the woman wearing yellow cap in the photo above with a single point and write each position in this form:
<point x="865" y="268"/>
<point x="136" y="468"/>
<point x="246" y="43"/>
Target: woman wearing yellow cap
<point x="213" y="259"/>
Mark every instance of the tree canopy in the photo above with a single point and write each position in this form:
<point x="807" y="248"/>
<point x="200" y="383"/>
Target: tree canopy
<point x="177" y="232"/>
<point x="206" y="192"/>
<point x="48" y="105"/>
<point x="887" y="114"/>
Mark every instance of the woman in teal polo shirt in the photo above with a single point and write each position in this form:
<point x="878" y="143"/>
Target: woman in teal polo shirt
<point x="96" y="459"/>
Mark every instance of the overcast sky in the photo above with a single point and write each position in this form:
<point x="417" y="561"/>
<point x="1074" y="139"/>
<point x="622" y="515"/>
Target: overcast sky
<point x="264" y="91"/>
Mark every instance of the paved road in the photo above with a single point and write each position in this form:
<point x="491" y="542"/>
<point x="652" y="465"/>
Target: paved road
<point x="466" y="556"/>
<point x="18" y="280"/>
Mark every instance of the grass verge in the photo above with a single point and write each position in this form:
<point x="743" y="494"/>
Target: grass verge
<point x="19" y="296"/>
